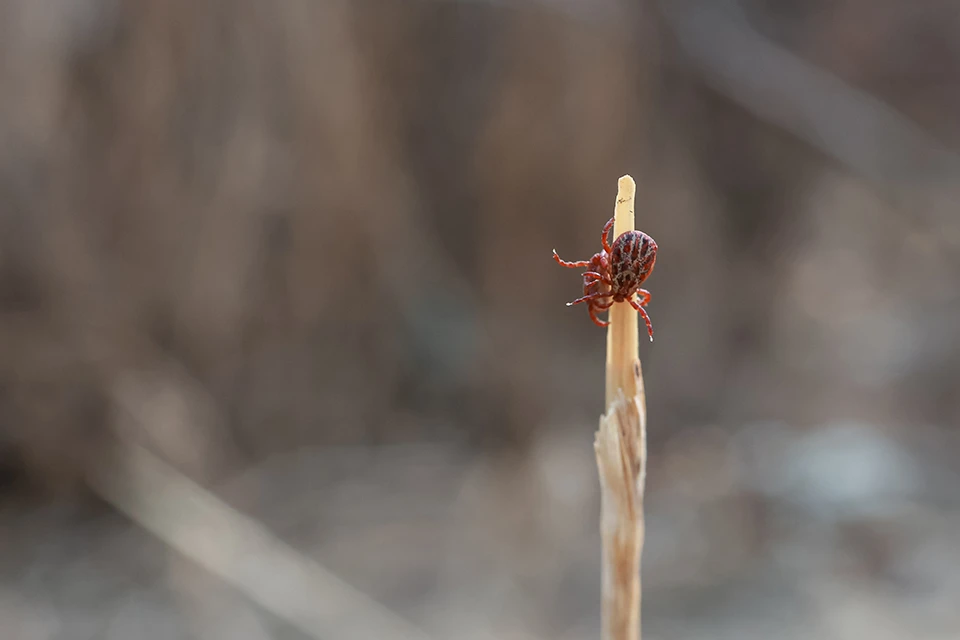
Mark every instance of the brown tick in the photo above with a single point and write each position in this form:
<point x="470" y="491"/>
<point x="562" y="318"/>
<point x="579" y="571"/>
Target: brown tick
<point x="616" y="273"/>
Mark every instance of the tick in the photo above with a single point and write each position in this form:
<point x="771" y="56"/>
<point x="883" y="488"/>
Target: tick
<point x="616" y="273"/>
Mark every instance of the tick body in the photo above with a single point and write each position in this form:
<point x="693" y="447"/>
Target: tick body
<point x="616" y="273"/>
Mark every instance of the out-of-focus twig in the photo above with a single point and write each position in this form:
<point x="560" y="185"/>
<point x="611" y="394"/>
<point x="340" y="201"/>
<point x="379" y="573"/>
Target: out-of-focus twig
<point x="867" y="136"/>
<point x="243" y="553"/>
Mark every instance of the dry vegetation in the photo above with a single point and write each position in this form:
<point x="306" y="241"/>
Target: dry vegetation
<point x="230" y="232"/>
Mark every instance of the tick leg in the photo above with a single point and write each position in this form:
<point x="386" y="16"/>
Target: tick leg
<point x="593" y="276"/>
<point x="603" y="238"/>
<point x="570" y="265"/>
<point x="643" y="313"/>
<point x="593" y="316"/>
<point x="644" y="296"/>
<point x="588" y="298"/>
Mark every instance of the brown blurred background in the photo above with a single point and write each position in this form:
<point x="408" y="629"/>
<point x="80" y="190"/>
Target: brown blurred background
<point x="300" y="251"/>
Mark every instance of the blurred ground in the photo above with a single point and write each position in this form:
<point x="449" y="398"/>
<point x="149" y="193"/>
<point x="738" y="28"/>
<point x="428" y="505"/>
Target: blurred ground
<point x="303" y="255"/>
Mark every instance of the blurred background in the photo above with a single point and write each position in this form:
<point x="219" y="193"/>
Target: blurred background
<point x="283" y="353"/>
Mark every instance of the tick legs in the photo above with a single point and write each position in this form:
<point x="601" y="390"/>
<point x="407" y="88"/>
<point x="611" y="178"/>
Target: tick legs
<point x="603" y="238"/>
<point x="595" y="303"/>
<point x="593" y="276"/>
<point x="593" y="316"/>
<point x="589" y="298"/>
<point x="570" y="265"/>
<point x="600" y="301"/>
<point x="643" y="312"/>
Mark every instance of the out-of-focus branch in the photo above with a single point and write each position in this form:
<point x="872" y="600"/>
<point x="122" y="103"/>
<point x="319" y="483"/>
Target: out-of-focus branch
<point x="243" y="553"/>
<point x="866" y="135"/>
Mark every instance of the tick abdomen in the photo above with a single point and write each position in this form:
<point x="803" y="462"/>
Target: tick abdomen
<point x="631" y="261"/>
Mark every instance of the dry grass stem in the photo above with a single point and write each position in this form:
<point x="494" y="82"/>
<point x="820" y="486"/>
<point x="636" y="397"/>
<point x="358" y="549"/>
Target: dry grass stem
<point x="621" y="450"/>
<point x="243" y="553"/>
